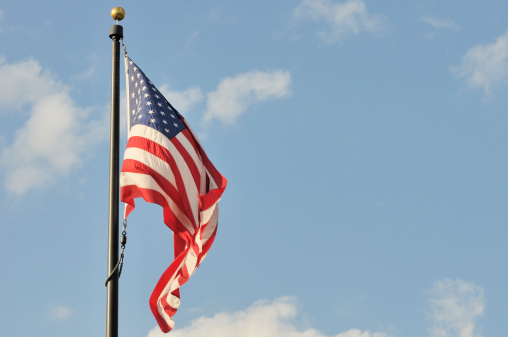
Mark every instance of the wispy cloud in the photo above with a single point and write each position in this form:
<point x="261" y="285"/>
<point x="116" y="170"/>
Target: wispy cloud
<point x="91" y="71"/>
<point x="342" y="19"/>
<point x="183" y="101"/>
<point x="440" y="24"/>
<point x="264" y="318"/>
<point x="59" y="312"/>
<point x="231" y="98"/>
<point x="55" y="137"/>
<point x="235" y="94"/>
<point x="485" y="66"/>
<point x="454" y="308"/>
<point x="359" y="333"/>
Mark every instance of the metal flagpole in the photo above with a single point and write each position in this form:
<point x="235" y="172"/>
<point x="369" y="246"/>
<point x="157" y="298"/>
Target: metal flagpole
<point x="116" y="33"/>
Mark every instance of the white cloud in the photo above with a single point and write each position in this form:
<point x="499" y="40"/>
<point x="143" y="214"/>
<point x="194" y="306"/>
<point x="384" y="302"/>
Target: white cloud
<point x="24" y="82"/>
<point x="234" y="95"/>
<point x="56" y="135"/>
<point x="485" y="66"/>
<point x="359" y="333"/>
<point x="59" y="312"/>
<point x="182" y="100"/>
<point x="343" y="19"/>
<point x="440" y="24"/>
<point x="454" y="308"/>
<point x="89" y="73"/>
<point x="263" y="318"/>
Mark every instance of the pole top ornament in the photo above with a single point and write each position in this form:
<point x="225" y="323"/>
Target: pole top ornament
<point x="118" y="13"/>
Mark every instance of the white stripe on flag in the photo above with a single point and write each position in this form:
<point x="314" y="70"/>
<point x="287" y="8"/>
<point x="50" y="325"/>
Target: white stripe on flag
<point x="154" y="162"/>
<point x="188" y="180"/>
<point x="147" y="182"/>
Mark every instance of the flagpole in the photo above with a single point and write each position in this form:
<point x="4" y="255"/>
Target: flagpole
<point x="116" y="33"/>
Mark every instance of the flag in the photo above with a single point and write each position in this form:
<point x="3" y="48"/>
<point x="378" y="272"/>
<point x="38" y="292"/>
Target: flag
<point x="165" y="164"/>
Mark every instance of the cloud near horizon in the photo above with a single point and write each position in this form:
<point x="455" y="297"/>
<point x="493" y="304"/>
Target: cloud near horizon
<point x="57" y="134"/>
<point x="485" y="66"/>
<point x="264" y="318"/>
<point x="454" y="307"/>
<point x="342" y="19"/>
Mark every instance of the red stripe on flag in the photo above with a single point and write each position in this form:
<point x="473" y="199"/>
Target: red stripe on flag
<point x="131" y="192"/>
<point x="164" y="154"/>
<point x="189" y="161"/>
<point x="211" y="197"/>
<point x="163" y="281"/>
<point x="133" y="166"/>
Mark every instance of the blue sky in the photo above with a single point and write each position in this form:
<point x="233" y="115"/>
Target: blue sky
<point x="364" y="143"/>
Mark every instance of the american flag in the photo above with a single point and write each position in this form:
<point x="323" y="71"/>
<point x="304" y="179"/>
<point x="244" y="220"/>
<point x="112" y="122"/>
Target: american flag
<point x="165" y="164"/>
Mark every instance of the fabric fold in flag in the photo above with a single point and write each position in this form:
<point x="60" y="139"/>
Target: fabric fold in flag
<point x="165" y="164"/>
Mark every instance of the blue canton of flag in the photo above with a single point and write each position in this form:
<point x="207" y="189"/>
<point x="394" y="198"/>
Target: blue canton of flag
<point x="148" y="106"/>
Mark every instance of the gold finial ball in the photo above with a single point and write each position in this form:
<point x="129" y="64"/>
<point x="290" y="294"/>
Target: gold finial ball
<point x="118" y="13"/>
